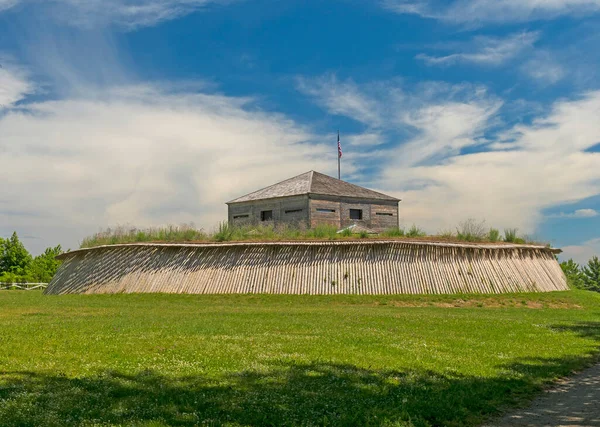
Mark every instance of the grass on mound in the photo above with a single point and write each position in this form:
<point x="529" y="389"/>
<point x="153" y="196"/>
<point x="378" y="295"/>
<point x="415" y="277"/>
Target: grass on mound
<point x="157" y="360"/>
<point x="467" y="232"/>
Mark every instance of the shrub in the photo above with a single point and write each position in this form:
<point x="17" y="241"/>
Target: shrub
<point x="415" y="231"/>
<point x="447" y="234"/>
<point x="533" y="240"/>
<point x="346" y="232"/>
<point x="258" y="232"/>
<point x="471" y="231"/>
<point x="393" y="232"/>
<point x="124" y="234"/>
<point x="510" y="235"/>
<point x="8" y="277"/>
<point x="224" y="233"/>
<point x="290" y="232"/>
<point x="493" y="235"/>
<point x="141" y="236"/>
<point x="323" y="231"/>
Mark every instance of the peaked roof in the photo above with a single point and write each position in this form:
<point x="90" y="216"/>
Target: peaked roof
<point x="313" y="183"/>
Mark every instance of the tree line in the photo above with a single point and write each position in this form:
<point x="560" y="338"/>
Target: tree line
<point x="583" y="277"/>
<point x="18" y="266"/>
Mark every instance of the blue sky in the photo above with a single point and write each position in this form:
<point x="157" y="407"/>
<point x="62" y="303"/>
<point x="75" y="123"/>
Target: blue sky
<point x="155" y="112"/>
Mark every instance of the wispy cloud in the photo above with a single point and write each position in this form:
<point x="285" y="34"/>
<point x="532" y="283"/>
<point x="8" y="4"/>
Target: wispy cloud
<point x="142" y="155"/>
<point x="129" y="14"/>
<point x="486" y="50"/>
<point x="579" y="213"/>
<point x="498" y="183"/>
<point x="342" y="98"/>
<point x="448" y="161"/>
<point x="544" y="68"/>
<point x="367" y="139"/>
<point x="445" y="117"/>
<point x="14" y="84"/>
<point x="7" y="4"/>
<point x="444" y="129"/>
<point x="492" y="11"/>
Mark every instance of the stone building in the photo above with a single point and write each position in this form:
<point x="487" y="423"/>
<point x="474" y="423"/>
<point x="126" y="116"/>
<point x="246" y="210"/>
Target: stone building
<point x="314" y="198"/>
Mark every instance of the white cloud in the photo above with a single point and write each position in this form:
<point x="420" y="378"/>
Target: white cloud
<point x="444" y="129"/>
<point x="7" y="4"/>
<point x="14" y="84"/>
<point x="445" y="117"/>
<point x="450" y="164"/>
<point x="366" y="140"/>
<point x="127" y="13"/>
<point x="492" y="11"/>
<point x="342" y="98"/>
<point x="579" y="213"/>
<point x="486" y="50"/>
<point x="585" y="213"/>
<point x="142" y="156"/>
<point x="507" y="184"/>
<point x="581" y="254"/>
<point x="543" y="68"/>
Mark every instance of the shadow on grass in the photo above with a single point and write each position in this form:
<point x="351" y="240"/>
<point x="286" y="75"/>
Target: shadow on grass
<point x="286" y="394"/>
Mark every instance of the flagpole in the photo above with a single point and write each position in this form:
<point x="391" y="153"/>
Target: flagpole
<point x="338" y="156"/>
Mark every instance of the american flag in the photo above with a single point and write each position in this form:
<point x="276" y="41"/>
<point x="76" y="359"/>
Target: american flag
<point x="339" y="146"/>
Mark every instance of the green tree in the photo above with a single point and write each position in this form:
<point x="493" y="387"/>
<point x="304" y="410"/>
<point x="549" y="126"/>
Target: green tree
<point x="591" y="275"/>
<point x="573" y="273"/>
<point x="14" y="258"/>
<point x="44" y="266"/>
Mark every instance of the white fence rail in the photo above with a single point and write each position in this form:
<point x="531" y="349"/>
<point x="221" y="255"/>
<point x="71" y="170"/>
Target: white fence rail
<point x="22" y="286"/>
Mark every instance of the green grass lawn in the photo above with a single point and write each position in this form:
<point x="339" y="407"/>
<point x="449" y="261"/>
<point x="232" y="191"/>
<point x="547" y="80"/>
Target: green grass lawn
<point x="293" y="360"/>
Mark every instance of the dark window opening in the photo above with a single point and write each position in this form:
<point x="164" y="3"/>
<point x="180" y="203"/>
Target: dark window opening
<point x="384" y="214"/>
<point x="293" y="211"/>
<point x="266" y="215"/>
<point x="325" y="210"/>
<point x="355" y="213"/>
<point x="240" y="216"/>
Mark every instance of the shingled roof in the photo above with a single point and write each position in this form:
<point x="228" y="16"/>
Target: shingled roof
<point x="313" y="183"/>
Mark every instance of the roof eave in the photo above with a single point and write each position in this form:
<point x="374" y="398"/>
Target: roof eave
<point x="265" y="198"/>
<point x="388" y="199"/>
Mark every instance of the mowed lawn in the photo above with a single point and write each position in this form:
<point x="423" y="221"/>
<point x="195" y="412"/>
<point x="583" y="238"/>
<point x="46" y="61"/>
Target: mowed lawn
<point x="284" y="360"/>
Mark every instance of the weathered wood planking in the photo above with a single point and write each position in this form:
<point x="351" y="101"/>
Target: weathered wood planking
<point x="347" y="267"/>
<point x="313" y="199"/>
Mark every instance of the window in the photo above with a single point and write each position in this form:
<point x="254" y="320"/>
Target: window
<point x="325" y="210"/>
<point x="384" y="214"/>
<point x="355" y="213"/>
<point x="289" y="211"/>
<point x="240" y="216"/>
<point x="266" y="215"/>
